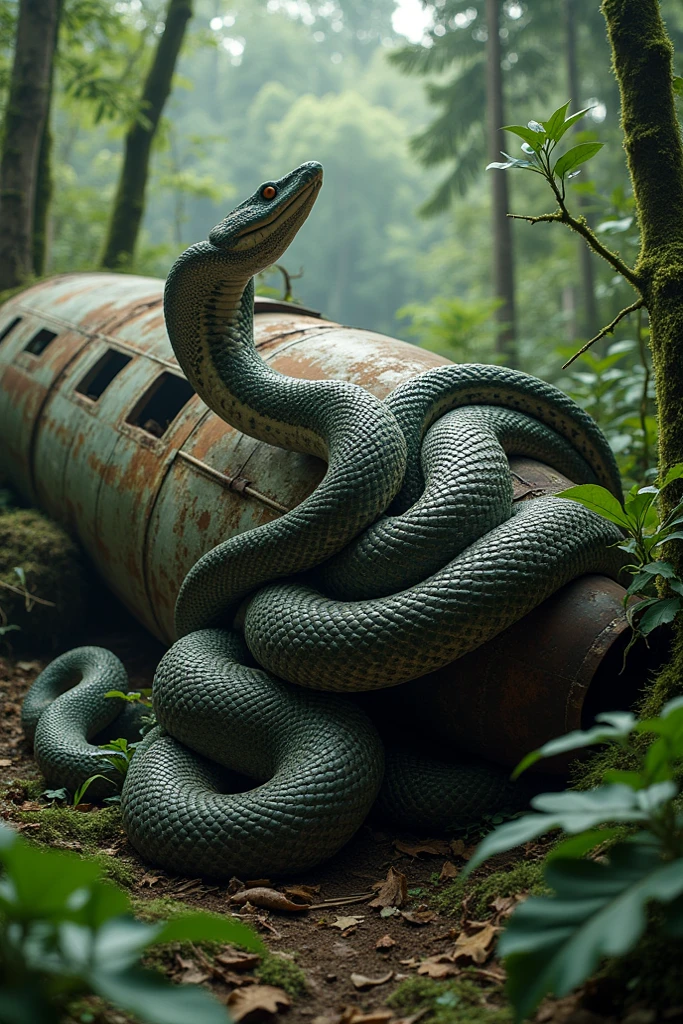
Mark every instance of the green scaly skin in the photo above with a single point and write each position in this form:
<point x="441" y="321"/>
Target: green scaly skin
<point x="416" y="538"/>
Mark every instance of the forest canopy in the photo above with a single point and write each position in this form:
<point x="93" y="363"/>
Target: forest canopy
<point x="401" y="239"/>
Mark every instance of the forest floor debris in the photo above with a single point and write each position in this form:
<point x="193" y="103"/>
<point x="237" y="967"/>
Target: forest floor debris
<point x="386" y="932"/>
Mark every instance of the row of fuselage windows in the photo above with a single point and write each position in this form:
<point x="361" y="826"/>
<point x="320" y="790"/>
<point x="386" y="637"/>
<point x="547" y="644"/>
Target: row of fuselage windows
<point x="153" y="413"/>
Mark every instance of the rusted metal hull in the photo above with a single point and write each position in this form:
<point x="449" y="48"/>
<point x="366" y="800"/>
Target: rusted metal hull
<point x="146" y="507"/>
<point x="99" y="428"/>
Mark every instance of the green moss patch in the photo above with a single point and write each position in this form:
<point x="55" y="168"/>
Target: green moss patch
<point x="279" y="970"/>
<point x="53" y="572"/>
<point x="91" y="830"/>
<point x="459" y="1001"/>
<point x="524" y="877"/>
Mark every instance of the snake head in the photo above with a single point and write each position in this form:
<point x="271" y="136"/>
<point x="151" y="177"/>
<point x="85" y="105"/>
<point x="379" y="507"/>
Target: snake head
<point x="261" y="228"/>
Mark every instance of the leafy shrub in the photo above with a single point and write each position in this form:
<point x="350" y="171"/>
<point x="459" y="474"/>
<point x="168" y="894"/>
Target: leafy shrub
<point x="639" y="518"/>
<point x="64" y="933"/>
<point x="599" y="905"/>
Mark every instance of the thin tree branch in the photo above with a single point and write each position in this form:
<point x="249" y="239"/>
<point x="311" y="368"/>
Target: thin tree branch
<point x="638" y="304"/>
<point x="578" y="224"/>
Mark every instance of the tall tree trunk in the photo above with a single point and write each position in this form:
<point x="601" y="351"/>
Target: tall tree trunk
<point x="589" y="322"/>
<point x="26" y="112"/>
<point x="503" y="259"/>
<point x="643" y="63"/>
<point x="129" y="203"/>
<point x="43" y="191"/>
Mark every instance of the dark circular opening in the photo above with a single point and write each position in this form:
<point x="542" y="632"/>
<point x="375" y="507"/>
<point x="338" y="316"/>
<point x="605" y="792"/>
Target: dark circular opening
<point x="621" y="678"/>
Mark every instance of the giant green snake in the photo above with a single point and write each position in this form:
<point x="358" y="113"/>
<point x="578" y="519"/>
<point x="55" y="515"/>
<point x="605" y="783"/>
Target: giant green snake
<point x="413" y="555"/>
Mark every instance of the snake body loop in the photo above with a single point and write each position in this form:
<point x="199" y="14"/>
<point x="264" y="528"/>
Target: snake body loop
<point x="413" y="555"/>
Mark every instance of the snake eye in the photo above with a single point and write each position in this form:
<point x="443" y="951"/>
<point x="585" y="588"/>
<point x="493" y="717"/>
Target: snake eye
<point x="269" y="192"/>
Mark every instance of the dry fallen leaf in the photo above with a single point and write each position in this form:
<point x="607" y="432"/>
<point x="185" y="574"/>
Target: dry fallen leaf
<point x="234" y="885"/>
<point x="504" y="905"/>
<point x="386" y="942"/>
<point x="256" y="1002"/>
<point x="419" y="916"/>
<point x="28" y="666"/>
<point x="342" y="923"/>
<point x="353" y="1016"/>
<point x="267" y="899"/>
<point x="439" y="966"/>
<point x="190" y="974"/>
<point x="256" y="883"/>
<point x="302" y="893"/>
<point x="237" y="961"/>
<point x="432" y="847"/>
<point x="458" y="849"/>
<point x="393" y="892"/>
<point x="31" y="805"/>
<point x="361" y="982"/>
<point x="449" y="870"/>
<point x="5" y="762"/>
<point x="477" y="946"/>
<point x="149" y="879"/>
<point x="343" y="949"/>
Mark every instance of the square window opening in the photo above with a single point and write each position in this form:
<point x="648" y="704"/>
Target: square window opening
<point x="100" y="376"/>
<point x="39" y="342"/>
<point x="6" y="331"/>
<point x="160" y="404"/>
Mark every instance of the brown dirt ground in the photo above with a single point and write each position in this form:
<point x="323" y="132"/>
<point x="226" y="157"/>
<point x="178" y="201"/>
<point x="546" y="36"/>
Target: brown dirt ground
<point x="327" y="955"/>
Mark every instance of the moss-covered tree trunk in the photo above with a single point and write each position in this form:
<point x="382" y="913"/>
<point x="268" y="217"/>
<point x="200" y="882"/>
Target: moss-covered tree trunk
<point x="503" y="259"/>
<point x="43" y="190"/>
<point x="129" y="203"/>
<point x="643" y="63"/>
<point x="26" y="111"/>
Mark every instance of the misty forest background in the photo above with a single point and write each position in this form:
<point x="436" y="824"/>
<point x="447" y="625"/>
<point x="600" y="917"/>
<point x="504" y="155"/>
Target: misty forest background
<point x="409" y="236"/>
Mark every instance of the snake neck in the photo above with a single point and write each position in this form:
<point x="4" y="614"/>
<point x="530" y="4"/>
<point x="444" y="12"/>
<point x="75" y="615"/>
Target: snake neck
<point x="209" y="309"/>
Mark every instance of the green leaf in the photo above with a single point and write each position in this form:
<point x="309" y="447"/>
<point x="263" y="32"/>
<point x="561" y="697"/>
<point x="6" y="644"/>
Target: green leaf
<point x="83" y="789"/>
<point x="597" y="499"/>
<point x="210" y="928"/>
<point x="573" y="812"/>
<point x="637" y="507"/>
<point x="552" y="944"/>
<point x="148" y="996"/>
<point x="639" y="584"/>
<point x="672" y="707"/>
<point x="658" y="614"/>
<point x="618" y="776"/>
<point x="106" y="901"/>
<point x="676" y="535"/>
<point x="567" y="124"/>
<point x="675" y="473"/>
<point x="19" y="572"/>
<point x="659" y="568"/>
<point x="39" y="882"/>
<point x="618" y="725"/>
<point x="575" y="156"/>
<point x="677" y="84"/>
<point x="534" y="138"/>
<point x="55" y="794"/>
<point x="120" y="941"/>
<point x="555" y="121"/>
<point x="577" y="846"/>
<point x="614" y="227"/>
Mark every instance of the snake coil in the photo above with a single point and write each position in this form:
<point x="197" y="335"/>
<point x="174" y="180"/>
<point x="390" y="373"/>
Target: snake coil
<point x="413" y="555"/>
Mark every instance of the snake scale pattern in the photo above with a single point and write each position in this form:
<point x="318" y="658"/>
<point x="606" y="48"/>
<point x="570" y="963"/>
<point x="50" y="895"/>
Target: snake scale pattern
<point x="408" y="554"/>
